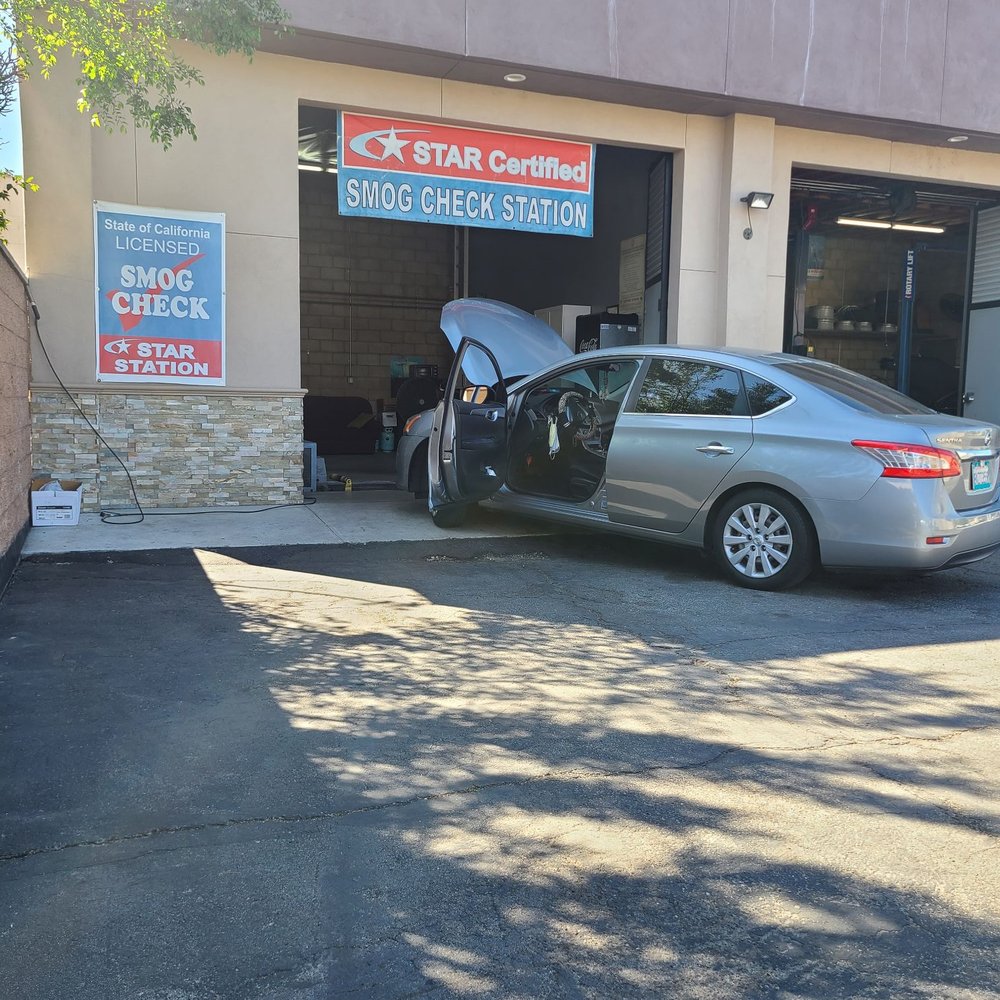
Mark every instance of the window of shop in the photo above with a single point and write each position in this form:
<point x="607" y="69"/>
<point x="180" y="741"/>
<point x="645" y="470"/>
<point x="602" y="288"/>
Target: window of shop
<point x="877" y="276"/>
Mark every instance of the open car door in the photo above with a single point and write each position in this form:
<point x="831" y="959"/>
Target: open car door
<point x="468" y="445"/>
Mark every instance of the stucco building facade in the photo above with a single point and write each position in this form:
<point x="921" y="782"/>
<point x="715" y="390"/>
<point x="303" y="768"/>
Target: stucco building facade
<point x="741" y="96"/>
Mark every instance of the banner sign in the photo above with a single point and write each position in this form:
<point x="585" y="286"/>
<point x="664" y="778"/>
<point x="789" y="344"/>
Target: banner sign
<point x="161" y="300"/>
<point x="392" y="168"/>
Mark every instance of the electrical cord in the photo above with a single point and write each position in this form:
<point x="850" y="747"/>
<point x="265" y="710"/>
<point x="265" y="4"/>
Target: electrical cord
<point x="110" y="515"/>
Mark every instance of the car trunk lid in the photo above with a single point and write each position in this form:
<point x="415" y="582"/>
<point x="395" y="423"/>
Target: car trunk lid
<point x="977" y="446"/>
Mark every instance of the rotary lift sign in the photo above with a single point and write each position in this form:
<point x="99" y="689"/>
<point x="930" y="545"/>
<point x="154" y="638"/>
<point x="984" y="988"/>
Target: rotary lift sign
<point x="160" y="279"/>
<point x="393" y="168"/>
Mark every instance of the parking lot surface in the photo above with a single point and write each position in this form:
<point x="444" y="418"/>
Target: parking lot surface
<point x="525" y="767"/>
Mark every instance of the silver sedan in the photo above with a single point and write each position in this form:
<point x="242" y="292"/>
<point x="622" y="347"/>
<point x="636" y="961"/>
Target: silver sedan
<point x="772" y="463"/>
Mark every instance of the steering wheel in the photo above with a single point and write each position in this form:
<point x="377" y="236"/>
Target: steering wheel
<point x="578" y="412"/>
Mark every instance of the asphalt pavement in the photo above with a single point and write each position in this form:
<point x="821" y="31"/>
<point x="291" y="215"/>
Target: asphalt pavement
<point x="542" y="766"/>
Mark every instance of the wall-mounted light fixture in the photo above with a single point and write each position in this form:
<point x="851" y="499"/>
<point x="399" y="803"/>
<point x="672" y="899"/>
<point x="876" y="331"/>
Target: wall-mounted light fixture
<point x="755" y="199"/>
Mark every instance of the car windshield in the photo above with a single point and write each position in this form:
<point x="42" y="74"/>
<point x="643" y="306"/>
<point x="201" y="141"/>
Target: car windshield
<point x="856" y="391"/>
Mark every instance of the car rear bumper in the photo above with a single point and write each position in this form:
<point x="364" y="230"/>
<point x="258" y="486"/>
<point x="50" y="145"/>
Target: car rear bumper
<point x="889" y="527"/>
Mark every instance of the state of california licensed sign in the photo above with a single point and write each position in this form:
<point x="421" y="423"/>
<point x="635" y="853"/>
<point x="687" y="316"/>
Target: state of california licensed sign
<point x="161" y="310"/>
<point x="393" y="168"/>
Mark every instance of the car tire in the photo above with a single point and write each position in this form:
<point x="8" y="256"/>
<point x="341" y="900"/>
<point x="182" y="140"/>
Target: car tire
<point x="452" y="516"/>
<point x="763" y="540"/>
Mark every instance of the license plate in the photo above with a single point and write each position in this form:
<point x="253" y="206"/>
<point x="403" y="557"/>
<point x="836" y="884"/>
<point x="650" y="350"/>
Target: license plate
<point x="981" y="478"/>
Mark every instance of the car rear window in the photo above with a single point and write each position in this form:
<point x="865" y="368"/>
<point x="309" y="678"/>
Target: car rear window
<point x="855" y="390"/>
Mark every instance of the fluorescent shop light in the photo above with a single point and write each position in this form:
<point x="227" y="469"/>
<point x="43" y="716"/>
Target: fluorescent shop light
<point x="917" y="229"/>
<point x="864" y="223"/>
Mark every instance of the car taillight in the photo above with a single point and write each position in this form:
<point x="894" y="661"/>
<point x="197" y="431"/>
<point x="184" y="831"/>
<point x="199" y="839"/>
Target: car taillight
<point x="912" y="461"/>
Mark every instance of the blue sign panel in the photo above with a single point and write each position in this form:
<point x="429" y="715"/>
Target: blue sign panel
<point x="161" y="309"/>
<point x="391" y="168"/>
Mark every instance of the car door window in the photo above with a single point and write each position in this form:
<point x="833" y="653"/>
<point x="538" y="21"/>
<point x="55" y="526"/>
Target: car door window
<point x="560" y="438"/>
<point x="677" y="386"/>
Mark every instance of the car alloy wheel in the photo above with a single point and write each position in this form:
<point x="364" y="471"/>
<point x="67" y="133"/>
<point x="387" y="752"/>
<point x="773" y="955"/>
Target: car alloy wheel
<point x="763" y="541"/>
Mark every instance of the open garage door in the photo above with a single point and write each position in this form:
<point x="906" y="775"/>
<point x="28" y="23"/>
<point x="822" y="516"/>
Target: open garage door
<point x="981" y="400"/>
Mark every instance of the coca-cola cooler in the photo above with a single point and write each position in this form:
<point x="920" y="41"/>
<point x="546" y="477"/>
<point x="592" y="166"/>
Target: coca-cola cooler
<point x="597" y="330"/>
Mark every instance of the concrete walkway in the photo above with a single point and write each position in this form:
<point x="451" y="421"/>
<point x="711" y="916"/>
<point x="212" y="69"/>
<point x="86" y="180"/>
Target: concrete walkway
<point x="334" y="519"/>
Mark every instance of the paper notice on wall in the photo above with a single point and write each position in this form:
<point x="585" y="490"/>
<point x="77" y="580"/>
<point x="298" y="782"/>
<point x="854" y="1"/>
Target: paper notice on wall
<point x="632" y="276"/>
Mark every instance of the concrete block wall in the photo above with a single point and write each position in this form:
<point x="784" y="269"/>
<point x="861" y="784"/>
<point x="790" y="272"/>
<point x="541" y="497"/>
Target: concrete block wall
<point x="861" y="352"/>
<point x="181" y="449"/>
<point x="15" y="419"/>
<point x="856" y="268"/>
<point x="372" y="291"/>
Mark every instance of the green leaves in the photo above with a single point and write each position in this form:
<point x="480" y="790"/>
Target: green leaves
<point x="123" y="49"/>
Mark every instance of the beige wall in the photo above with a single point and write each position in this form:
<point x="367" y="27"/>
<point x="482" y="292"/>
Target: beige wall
<point x="725" y="289"/>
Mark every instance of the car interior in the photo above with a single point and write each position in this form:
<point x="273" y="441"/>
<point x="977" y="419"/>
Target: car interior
<point x="560" y="439"/>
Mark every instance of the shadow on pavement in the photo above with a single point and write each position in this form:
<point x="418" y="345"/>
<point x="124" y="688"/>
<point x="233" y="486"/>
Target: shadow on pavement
<point x="558" y="767"/>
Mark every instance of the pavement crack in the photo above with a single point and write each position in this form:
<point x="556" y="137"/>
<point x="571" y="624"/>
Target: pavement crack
<point x="957" y="817"/>
<point x="472" y="789"/>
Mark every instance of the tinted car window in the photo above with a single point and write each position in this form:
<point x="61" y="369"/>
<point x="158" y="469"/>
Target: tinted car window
<point x="691" y="387"/>
<point x="763" y="396"/>
<point x="855" y="390"/>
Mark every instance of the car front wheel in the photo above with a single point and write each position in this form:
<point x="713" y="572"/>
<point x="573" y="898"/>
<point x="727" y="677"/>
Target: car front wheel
<point x="762" y="540"/>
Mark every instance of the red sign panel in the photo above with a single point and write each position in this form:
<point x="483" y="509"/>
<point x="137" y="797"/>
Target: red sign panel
<point x="452" y="151"/>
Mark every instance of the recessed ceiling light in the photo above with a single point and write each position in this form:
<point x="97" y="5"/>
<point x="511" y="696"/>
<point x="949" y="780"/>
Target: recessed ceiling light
<point x="515" y="77"/>
<point x="958" y="138"/>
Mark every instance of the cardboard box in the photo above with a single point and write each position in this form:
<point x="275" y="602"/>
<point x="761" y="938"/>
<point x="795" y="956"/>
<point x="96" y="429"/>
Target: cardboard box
<point x="55" y="507"/>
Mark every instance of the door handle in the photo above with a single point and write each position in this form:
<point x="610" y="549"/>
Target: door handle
<point x="968" y="397"/>
<point x="714" y="448"/>
<point x="492" y="414"/>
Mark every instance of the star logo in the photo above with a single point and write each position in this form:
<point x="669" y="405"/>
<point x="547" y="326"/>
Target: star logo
<point x="118" y="346"/>
<point x="389" y="138"/>
<point x="392" y="145"/>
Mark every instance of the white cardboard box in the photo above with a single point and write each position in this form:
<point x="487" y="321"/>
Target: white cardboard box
<point x="55" y="507"/>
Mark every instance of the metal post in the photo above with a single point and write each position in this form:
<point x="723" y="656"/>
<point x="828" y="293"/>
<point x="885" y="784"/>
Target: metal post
<point x="906" y="321"/>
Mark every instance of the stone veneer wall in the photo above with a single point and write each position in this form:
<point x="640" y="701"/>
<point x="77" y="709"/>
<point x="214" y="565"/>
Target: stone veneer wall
<point x="182" y="449"/>
<point x="15" y="422"/>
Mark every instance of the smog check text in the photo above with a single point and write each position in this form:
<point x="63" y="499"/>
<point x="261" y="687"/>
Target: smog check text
<point x="458" y="203"/>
